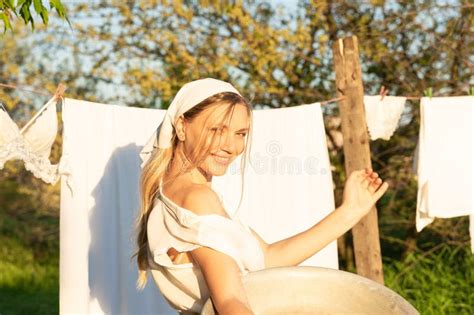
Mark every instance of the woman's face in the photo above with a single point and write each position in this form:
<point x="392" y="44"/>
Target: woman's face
<point x="228" y="141"/>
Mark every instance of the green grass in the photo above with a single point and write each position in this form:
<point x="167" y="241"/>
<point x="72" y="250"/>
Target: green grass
<point x="29" y="250"/>
<point x="27" y="286"/>
<point x="438" y="281"/>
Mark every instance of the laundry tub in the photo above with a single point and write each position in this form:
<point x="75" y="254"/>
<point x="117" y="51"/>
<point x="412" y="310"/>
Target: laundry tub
<point x="317" y="290"/>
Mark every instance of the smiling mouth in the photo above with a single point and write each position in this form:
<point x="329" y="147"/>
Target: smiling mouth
<point x="220" y="159"/>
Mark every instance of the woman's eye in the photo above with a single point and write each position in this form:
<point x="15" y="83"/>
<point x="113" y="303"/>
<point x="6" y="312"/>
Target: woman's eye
<point x="242" y="134"/>
<point x="216" y="129"/>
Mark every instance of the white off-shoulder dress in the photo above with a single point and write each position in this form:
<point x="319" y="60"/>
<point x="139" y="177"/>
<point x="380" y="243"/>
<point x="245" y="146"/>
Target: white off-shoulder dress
<point x="169" y="225"/>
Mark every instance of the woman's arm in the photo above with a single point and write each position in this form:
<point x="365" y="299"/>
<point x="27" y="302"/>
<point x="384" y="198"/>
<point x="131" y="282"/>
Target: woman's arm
<point x="220" y="271"/>
<point x="297" y="248"/>
<point x="360" y="194"/>
<point x="223" y="281"/>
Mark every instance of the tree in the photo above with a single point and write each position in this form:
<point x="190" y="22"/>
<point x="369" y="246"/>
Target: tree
<point x="22" y="9"/>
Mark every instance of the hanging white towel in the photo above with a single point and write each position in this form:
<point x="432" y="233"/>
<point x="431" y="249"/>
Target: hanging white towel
<point x="382" y="116"/>
<point x="291" y="189"/>
<point x="97" y="275"/>
<point x="445" y="159"/>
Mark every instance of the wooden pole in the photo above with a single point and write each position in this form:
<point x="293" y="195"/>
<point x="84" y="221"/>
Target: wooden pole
<point x="357" y="151"/>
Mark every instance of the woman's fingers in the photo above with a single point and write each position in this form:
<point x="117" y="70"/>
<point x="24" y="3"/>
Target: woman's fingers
<point x="371" y="173"/>
<point x="366" y="182"/>
<point x="370" y="180"/>
<point x="375" y="185"/>
<point x="381" y="191"/>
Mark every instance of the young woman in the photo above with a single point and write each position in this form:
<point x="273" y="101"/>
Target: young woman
<point x="193" y="248"/>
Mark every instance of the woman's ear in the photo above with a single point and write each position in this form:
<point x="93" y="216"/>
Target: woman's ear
<point x="180" y="128"/>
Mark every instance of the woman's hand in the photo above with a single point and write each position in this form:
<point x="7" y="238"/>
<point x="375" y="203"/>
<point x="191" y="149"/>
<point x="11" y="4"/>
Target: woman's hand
<point x="362" y="190"/>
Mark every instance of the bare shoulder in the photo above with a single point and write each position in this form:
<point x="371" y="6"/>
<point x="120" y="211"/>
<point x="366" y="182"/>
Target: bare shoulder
<point x="203" y="200"/>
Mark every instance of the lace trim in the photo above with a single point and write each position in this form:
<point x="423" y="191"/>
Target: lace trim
<point x="39" y="166"/>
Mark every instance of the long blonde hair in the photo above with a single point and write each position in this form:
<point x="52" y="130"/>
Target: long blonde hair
<point x="160" y="161"/>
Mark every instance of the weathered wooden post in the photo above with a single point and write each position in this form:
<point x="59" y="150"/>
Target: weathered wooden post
<point x="357" y="151"/>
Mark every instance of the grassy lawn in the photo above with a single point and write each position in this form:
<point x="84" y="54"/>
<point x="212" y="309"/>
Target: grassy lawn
<point x="437" y="282"/>
<point x="27" y="286"/>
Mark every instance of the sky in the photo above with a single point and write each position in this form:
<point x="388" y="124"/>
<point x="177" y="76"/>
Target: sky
<point x="119" y="90"/>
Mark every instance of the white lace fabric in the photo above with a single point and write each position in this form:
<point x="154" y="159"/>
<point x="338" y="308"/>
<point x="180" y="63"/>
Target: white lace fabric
<point x="32" y="144"/>
<point x="382" y="116"/>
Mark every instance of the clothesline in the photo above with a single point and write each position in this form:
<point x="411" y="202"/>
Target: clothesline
<point x="333" y="100"/>
<point x="11" y="86"/>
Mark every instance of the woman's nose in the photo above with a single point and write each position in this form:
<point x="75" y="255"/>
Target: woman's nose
<point x="227" y="142"/>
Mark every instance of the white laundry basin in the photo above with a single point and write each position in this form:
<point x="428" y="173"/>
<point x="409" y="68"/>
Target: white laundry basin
<point x="317" y="290"/>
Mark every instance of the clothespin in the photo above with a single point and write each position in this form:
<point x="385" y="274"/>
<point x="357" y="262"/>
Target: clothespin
<point x="60" y="91"/>
<point x="383" y="92"/>
<point x="428" y="92"/>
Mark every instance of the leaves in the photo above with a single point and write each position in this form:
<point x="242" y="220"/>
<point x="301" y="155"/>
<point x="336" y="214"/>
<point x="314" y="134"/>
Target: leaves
<point x="6" y="21"/>
<point x="38" y="6"/>
<point x="22" y="9"/>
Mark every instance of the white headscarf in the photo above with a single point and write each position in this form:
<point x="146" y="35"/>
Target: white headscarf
<point x="189" y="95"/>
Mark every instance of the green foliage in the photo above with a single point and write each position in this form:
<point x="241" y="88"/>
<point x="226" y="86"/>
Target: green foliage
<point x="29" y="248"/>
<point x="436" y="281"/>
<point x="36" y="227"/>
<point x="26" y="286"/>
<point x="22" y="9"/>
